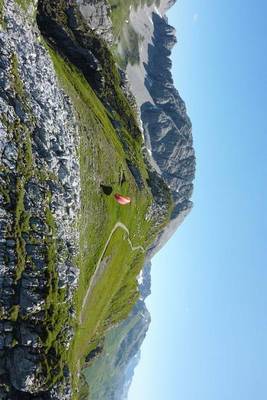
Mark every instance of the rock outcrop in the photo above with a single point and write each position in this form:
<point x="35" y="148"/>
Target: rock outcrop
<point x="39" y="205"/>
<point x="97" y="15"/>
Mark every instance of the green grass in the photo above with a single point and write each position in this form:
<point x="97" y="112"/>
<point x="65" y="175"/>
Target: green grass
<point x="25" y="171"/>
<point x="14" y="313"/>
<point x="119" y="257"/>
<point x="56" y="315"/>
<point x="102" y="161"/>
<point x="16" y="82"/>
<point x="55" y="13"/>
<point x="2" y="23"/>
<point x="56" y="309"/>
<point x="24" y="4"/>
<point x="106" y="304"/>
<point x="103" y="156"/>
<point x="22" y="138"/>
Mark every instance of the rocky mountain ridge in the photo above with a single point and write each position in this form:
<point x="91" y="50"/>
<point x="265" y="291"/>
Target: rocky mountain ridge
<point x="167" y="127"/>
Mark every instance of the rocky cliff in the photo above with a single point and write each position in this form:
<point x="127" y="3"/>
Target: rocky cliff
<point x="97" y="15"/>
<point x="167" y="127"/>
<point x="39" y="203"/>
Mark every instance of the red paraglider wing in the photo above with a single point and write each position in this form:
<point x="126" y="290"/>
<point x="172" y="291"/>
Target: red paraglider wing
<point x="123" y="200"/>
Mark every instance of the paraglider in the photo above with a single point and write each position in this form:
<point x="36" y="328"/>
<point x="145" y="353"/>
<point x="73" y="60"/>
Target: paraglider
<point x="107" y="189"/>
<point x="122" y="200"/>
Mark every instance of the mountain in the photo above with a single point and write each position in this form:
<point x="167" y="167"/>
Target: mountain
<point x="75" y="131"/>
<point x="167" y="128"/>
<point x="168" y="138"/>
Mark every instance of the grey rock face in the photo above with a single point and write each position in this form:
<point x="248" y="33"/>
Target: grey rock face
<point x="96" y="14"/>
<point x="168" y="127"/>
<point x="29" y="376"/>
<point x="39" y="203"/>
<point x="166" y="121"/>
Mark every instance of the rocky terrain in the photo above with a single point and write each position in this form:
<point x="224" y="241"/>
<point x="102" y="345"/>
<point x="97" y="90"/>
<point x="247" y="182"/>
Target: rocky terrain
<point x="39" y="204"/>
<point x="167" y="127"/>
<point x="97" y="15"/>
<point x="69" y="125"/>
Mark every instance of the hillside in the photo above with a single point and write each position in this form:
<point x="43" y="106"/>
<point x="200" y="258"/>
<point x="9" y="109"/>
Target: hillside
<point x="168" y="138"/>
<point x="70" y="140"/>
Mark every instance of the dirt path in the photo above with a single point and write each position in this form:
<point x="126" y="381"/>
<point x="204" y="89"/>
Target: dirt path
<point x="100" y="268"/>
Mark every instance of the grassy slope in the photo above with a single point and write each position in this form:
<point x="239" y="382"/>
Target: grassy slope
<point x="1" y="12"/>
<point x="103" y="160"/>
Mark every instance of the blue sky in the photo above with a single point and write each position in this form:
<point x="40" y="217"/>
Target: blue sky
<point x="208" y="337"/>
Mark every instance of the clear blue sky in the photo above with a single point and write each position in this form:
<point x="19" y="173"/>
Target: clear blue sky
<point x="208" y="337"/>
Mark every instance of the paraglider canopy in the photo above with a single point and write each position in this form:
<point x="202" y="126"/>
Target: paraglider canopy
<point x="122" y="200"/>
